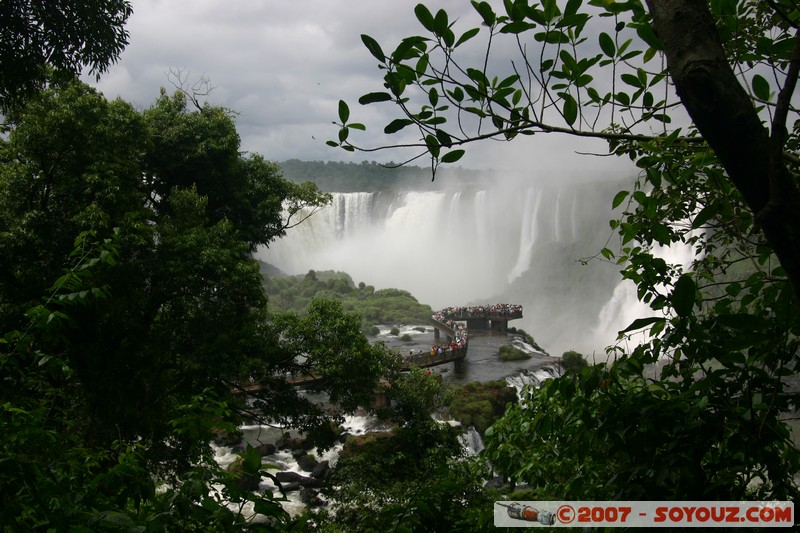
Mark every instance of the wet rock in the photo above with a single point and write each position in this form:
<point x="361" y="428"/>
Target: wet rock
<point x="292" y="478"/>
<point x="291" y="487"/>
<point x="311" y="498"/>
<point x="495" y="483"/>
<point x="227" y="438"/>
<point x="307" y="463"/>
<point x="249" y="482"/>
<point x="266" y="449"/>
<point x="298" y="453"/>
<point x="300" y="444"/>
<point x="321" y="471"/>
<point x="283" y="442"/>
<point x="288" y="477"/>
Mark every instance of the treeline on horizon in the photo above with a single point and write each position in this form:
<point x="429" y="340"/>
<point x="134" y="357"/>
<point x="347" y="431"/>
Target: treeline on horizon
<point x="337" y="176"/>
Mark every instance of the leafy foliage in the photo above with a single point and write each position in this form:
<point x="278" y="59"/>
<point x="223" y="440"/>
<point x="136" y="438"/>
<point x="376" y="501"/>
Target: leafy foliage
<point x="413" y="478"/>
<point x="573" y="361"/>
<point x="481" y="404"/>
<point x="54" y="40"/>
<point x="386" y="306"/>
<point x="512" y="353"/>
<point x="119" y="377"/>
<point x="333" y="346"/>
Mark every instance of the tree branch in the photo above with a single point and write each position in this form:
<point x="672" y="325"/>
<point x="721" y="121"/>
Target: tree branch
<point x="725" y="116"/>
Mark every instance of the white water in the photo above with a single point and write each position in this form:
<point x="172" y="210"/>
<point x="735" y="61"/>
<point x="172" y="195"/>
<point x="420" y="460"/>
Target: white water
<point x="445" y="248"/>
<point x="519" y="244"/>
<point x="533" y="378"/>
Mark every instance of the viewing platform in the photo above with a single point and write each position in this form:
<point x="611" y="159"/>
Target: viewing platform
<point x="478" y="317"/>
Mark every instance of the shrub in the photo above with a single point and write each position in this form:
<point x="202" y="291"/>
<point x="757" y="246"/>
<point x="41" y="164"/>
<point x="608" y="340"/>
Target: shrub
<point x="481" y="404"/>
<point x="394" y="331"/>
<point x="406" y="337"/>
<point x="512" y="353"/>
<point x="573" y="361"/>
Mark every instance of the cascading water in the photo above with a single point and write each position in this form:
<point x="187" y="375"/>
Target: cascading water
<point x="529" y="233"/>
<point x="472" y="441"/>
<point x="517" y="244"/>
<point x="533" y="378"/>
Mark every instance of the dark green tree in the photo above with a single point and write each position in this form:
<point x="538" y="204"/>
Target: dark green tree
<point x="700" y="96"/>
<point x="132" y="314"/>
<point x="55" y="40"/>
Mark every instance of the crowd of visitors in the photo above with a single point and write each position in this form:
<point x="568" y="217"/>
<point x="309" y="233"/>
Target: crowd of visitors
<point x="479" y="311"/>
<point x="448" y="317"/>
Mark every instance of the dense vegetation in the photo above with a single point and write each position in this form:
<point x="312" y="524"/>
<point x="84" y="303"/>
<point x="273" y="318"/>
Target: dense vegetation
<point x="512" y="353"/>
<point x="573" y="361"/>
<point x="131" y="311"/>
<point x="481" y="404"/>
<point x="384" y="306"/>
<point x="50" y="42"/>
<point x="416" y="475"/>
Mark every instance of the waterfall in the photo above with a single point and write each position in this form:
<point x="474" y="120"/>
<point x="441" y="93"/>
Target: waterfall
<point x="472" y="441"/>
<point x="624" y="306"/>
<point x="534" y="378"/>
<point x="533" y="200"/>
<point x="518" y="242"/>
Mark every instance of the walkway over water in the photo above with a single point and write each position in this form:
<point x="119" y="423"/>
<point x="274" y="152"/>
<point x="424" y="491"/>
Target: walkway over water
<point x="450" y="322"/>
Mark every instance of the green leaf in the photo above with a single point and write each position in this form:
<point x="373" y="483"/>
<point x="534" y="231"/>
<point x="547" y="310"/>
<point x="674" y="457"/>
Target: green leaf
<point x="572" y="7"/>
<point x="433" y="145"/>
<point x="607" y="45"/>
<point x="620" y="196"/>
<point x="683" y="296"/>
<point x="371" y="98"/>
<point x="570" y="109"/>
<point x="705" y="214"/>
<point x="425" y="17"/>
<point x="760" y="87"/>
<point x="444" y="138"/>
<point x="397" y="125"/>
<point x="466" y="36"/>
<point x="517" y="27"/>
<point x="373" y="47"/>
<point x="344" y="111"/>
<point x="640" y="323"/>
<point x="422" y="64"/>
<point x="251" y="460"/>
<point x="440" y="22"/>
<point x="646" y="33"/>
<point x="405" y="50"/>
<point x="452" y="157"/>
<point x="457" y="94"/>
<point x="433" y="96"/>
<point x="552" y="37"/>
<point x="486" y="12"/>
<point x="631" y="80"/>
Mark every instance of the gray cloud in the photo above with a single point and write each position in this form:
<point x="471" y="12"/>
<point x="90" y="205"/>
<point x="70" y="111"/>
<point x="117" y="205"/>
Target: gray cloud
<point x="283" y="66"/>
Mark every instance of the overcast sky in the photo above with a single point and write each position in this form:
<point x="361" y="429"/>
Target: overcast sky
<point x="283" y="65"/>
